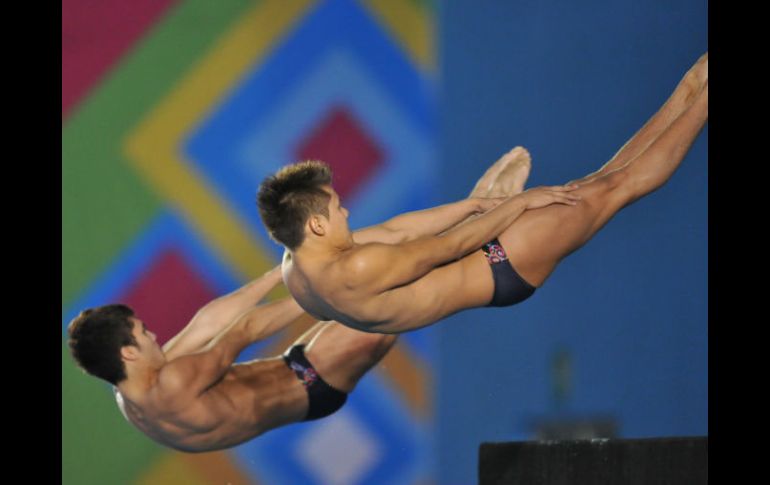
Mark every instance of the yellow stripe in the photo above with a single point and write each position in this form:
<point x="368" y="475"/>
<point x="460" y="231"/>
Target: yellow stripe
<point x="170" y="469"/>
<point x="410" y="377"/>
<point x="218" y="467"/>
<point x="412" y="26"/>
<point x="154" y="146"/>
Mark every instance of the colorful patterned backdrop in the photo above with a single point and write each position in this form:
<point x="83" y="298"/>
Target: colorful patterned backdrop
<point x="172" y="113"/>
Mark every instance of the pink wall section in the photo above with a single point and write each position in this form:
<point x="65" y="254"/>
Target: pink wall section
<point x="95" y="34"/>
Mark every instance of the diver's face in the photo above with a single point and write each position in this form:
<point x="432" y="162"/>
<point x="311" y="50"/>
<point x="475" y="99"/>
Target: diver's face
<point x="147" y="342"/>
<point x="338" y="215"/>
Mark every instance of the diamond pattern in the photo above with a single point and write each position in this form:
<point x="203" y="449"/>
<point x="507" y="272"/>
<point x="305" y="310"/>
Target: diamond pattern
<point x="167" y="295"/>
<point x="339" y="451"/>
<point x="342" y="143"/>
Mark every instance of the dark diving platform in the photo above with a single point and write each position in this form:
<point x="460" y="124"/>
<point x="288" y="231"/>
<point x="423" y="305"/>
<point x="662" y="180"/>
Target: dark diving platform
<point x="659" y="461"/>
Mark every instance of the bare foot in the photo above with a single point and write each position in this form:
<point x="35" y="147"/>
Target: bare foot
<point x="696" y="77"/>
<point x="514" y="175"/>
<point x="688" y="89"/>
<point x="486" y="181"/>
<point x="703" y="69"/>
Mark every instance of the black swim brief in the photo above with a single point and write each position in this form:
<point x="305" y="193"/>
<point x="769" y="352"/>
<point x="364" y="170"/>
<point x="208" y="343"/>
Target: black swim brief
<point x="510" y="288"/>
<point x="323" y="399"/>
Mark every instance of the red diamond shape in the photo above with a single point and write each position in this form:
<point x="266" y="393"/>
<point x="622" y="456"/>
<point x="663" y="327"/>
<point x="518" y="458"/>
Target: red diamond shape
<point x="95" y="35"/>
<point x="167" y="295"/>
<point x="342" y="143"/>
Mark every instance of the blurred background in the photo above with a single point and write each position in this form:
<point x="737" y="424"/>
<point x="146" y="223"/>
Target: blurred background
<point x="174" y="110"/>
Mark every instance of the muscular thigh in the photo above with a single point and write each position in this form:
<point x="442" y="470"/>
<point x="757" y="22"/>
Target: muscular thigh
<point x="341" y="355"/>
<point x="465" y="283"/>
<point x="540" y="238"/>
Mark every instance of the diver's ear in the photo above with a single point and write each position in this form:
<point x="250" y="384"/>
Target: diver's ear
<point x="129" y="352"/>
<point x="317" y="225"/>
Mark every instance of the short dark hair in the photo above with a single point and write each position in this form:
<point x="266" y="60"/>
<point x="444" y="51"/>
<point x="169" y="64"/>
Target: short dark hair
<point x="287" y="199"/>
<point x="96" y="337"/>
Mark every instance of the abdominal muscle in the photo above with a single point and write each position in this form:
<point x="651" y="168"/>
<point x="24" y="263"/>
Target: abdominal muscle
<point x="462" y="284"/>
